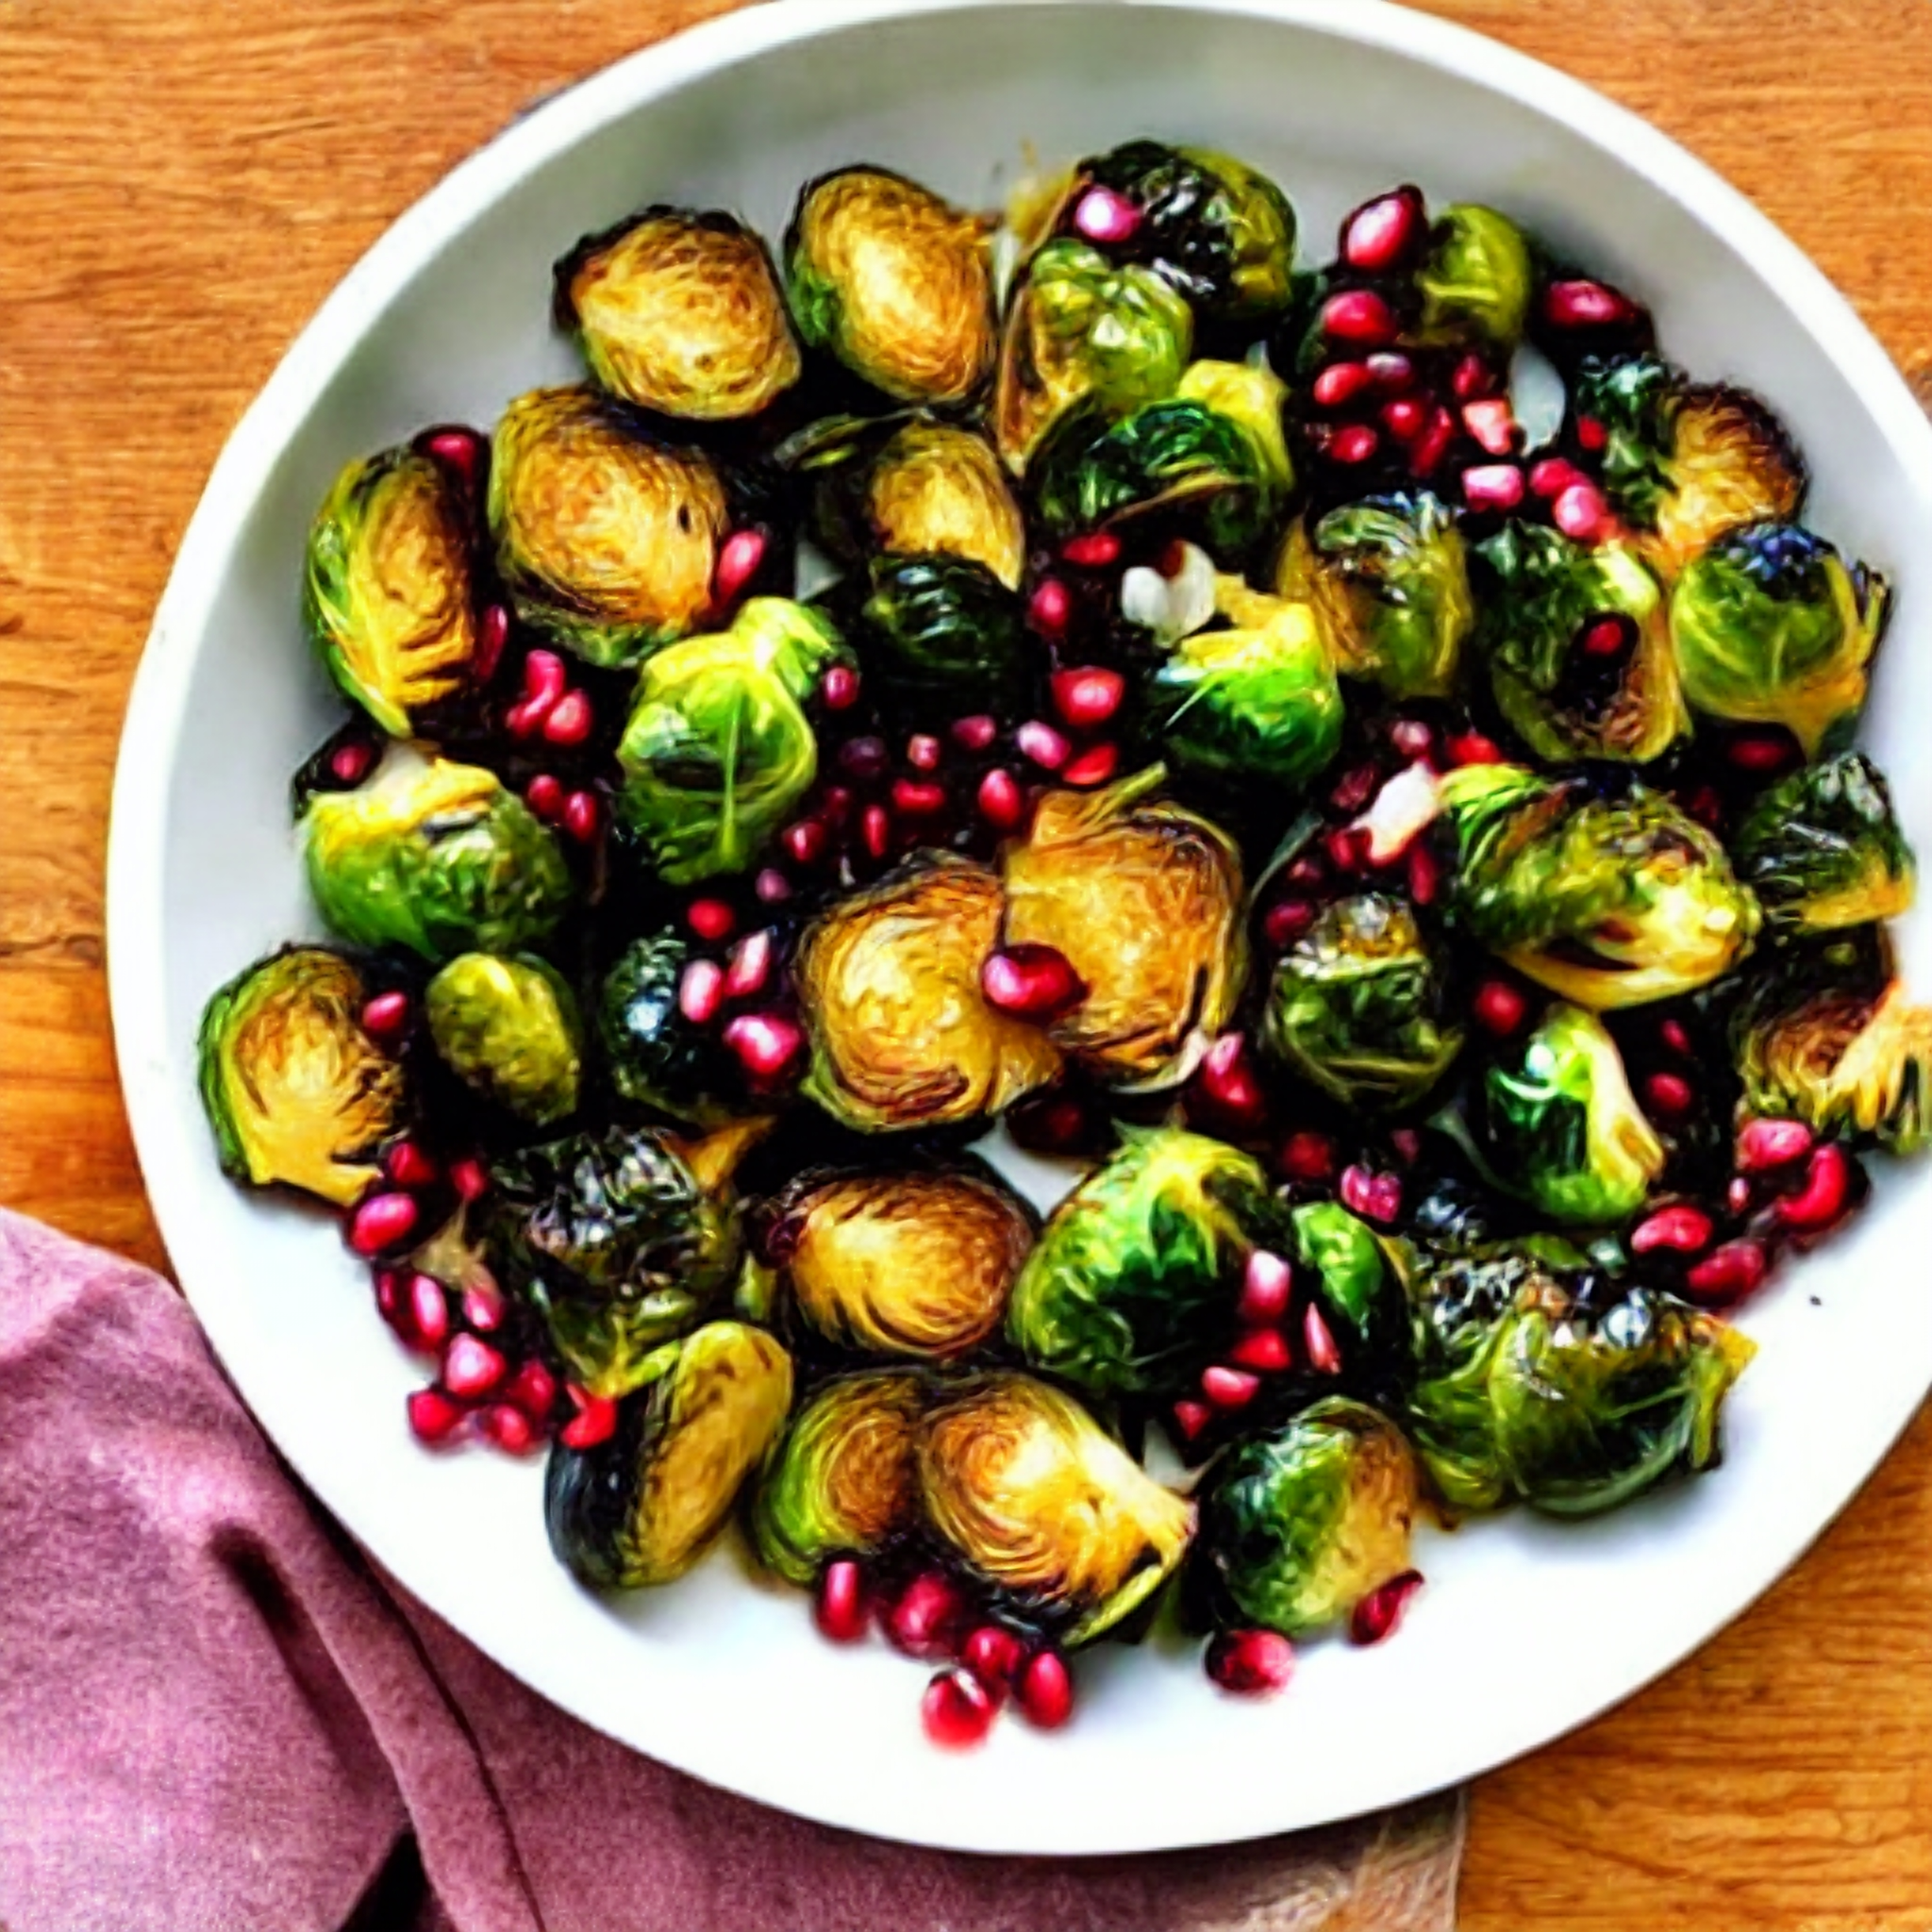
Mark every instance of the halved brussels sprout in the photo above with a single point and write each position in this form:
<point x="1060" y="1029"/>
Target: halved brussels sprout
<point x="1082" y="329"/>
<point x="1822" y="850"/>
<point x="1124" y="1288"/>
<point x="717" y="749"/>
<point x="294" y="1090"/>
<point x="1607" y="900"/>
<point x="510" y="1029"/>
<point x="1220" y="232"/>
<point x="1771" y="628"/>
<point x="1475" y="280"/>
<point x="388" y="591"/>
<point x="947" y="629"/>
<point x="657" y="1057"/>
<point x="1359" y="1006"/>
<point x="644" y="1504"/>
<point x="1558" y="1124"/>
<point x="1299" y="1525"/>
<point x="1388" y="581"/>
<point x="919" y="1263"/>
<point x="936" y="490"/>
<point x="607" y="536"/>
<point x="435" y="857"/>
<point x="1578" y="644"/>
<point x="1038" y="1501"/>
<point x="622" y="1241"/>
<point x="889" y="980"/>
<point x="1143" y="898"/>
<point x="679" y="312"/>
<point x="844" y="1482"/>
<point x="1253" y="395"/>
<point x="1684" y="463"/>
<point x="894" y="282"/>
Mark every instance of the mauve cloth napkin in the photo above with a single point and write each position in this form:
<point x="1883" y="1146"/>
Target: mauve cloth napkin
<point x="216" y="1717"/>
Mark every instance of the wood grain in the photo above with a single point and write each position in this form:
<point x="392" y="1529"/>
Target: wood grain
<point x="179" y="188"/>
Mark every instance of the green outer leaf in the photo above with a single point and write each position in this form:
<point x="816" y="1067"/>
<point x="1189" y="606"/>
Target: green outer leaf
<point x="946" y="628"/>
<point x="1356" y="1282"/>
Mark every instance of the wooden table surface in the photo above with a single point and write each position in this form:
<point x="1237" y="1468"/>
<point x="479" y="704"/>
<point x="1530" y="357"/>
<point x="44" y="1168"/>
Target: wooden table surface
<point x="179" y="188"/>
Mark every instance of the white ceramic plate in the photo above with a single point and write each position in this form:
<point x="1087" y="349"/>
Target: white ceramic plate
<point x="1526" y="1627"/>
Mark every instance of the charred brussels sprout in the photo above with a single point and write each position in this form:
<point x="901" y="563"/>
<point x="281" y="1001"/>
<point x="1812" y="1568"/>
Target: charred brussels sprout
<point x="1299" y="1525"/>
<point x="1476" y="281"/>
<point x="607" y="536"/>
<point x="718" y="749"/>
<point x="1607" y="900"/>
<point x="681" y="312"/>
<point x="935" y="490"/>
<point x="1084" y="330"/>
<point x="656" y="1056"/>
<point x="911" y="1264"/>
<point x="388" y="593"/>
<point x="642" y="1506"/>
<point x="621" y="1241"/>
<point x="1771" y="628"/>
<point x="295" y="1092"/>
<point x="1579" y="645"/>
<point x="889" y="980"/>
<point x="1358" y="1007"/>
<point x="844" y="1482"/>
<point x="435" y="857"/>
<point x="1222" y="234"/>
<point x="1558" y="1125"/>
<point x="1038" y="1501"/>
<point x="1388" y="578"/>
<point x="947" y="629"/>
<point x="1144" y="899"/>
<point x="894" y="282"/>
<point x="1822" y="850"/>
<point x="1133" y="1270"/>
<point x="509" y="1028"/>
<point x="1683" y="462"/>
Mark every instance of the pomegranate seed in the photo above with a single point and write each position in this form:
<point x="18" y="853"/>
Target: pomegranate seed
<point x="1373" y="1196"/>
<point x="581" y="814"/>
<point x="1050" y="609"/>
<point x="1404" y="417"/>
<point x="408" y="1166"/>
<point x="1355" y="788"/>
<point x="1406" y="1146"/>
<point x="1045" y="1690"/>
<point x="958" y="1710"/>
<point x="1737" y="1195"/>
<point x="1089" y="696"/>
<point x="1553" y="476"/>
<point x="546" y="677"/>
<point x="389" y="1301"/>
<point x="571" y="720"/>
<point x="701" y="990"/>
<point x="1347" y="847"/>
<point x="1680" y="1230"/>
<point x="1286" y="920"/>
<point x="533" y="1390"/>
<point x="433" y="1417"/>
<point x="471" y="1366"/>
<point x="1473" y="748"/>
<point x="1424" y="873"/>
<point x="492" y="636"/>
<point x="351" y="762"/>
<point x="767" y="1043"/>
<point x="1492" y="423"/>
<point x="1228" y="1083"/>
<point x="595" y="1419"/>
<point x="865" y="758"/>
<point x="386" y="1015"/>
<point x="711" y="919"/>
<point x="1673" y="1036"/>
<point x="1353" y="443"/>
<point x="1358" y="315"/>
<point x="1605" y="637"/>
<point x="1411" y="738"/>
<point x="750" y="965"/>
<point x="1392" y="371"/>
<point x="1580" y="512"/>
<point x="1041" y="742"/>
<point x="1265" y="1350"/>
<point x="1472" y="377"/>
<point x="1728" y="1271"/>
<point x="1002" y="804"/>
<point x="770" y="886"/>
<point x="1379" y="233"/>
<point x="1760" y="753"/>
<point x="1822" y="1199"/>
<point x="1379" y="1613"/>
<point x="925" y="1620"/>
<point x="1267" y="1282"/>
<point x="840" y="1608"/>
<point x="917" y="798"/>
<point x="1586" y="304"/>
<point x="470" y="1178"/>
<point x="975" y="733"/>
<point x="1339" y="384"/>
<point x="1590" y="434"/>
<point x="876" y="830"/>
<point x="1103" y="215"/>
<point x="1308" y="1156"/>
<point x="543" y="794"/>
<point x="1094" y="766"/>
<point x="923" y="751"/>
<point x="1251" y="1663"/>
<point x="993" y="1656"/>
<point x="483" y="1308"/>
<point x="1318" y="1339"/>
<point x="381" y="1221"/>
<point x="457" y="448"/>
<point x="1308" y="869"/>
<point x="1492" y="486"/>
<point x="805" y="841"/>
<point x="1032" y="982"/>
<point x="1094" y="550"/>
<point x="838" y="688"/>
<point x="1767" y="1143"/>
<point x="429" y="1310"/>
<point x="1228" y="1388"/>
<point x="510" y="1428"/>
<point x="1432" y="444"/>
<point x="1669" y="1094"/>
<point x="739" y="557"/>
<point x="1498" y="1007"/>
<point x="1191" y="1418"/>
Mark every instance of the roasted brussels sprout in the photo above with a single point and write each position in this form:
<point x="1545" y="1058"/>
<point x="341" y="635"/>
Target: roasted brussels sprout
<point x="679" y="312"/>
<point x="844" y="1482"/>
<point x="1822" y="850"/>
<point x="657" y="1057"/>
<point x="435" y="857"/>
<point x="1607" y="900"/>
<point x="1388" y="581"/>
<point x="1476" y="281"/>
<point x="1558" y="1124"/>
<point x="1123" y="1288"/>
<point x="1038" y="1501"/>
<point x="607" y="536"/>
<point x="622" y="1241"/>
<point x="1253" y="395"/>
<point x="947" y="629"/>
<point x="509" y="1028"/>
<point x="718" y="749"/>
<point x="1299" y="1525"/>
<point x="1579" y="645"/>
<point x="388" y="590"/>
<point x="1143" y="898"/>
<point x="894" y="282"/>
<point x="936" y="490"/>
<point x="889" y="980"/>
<point x="1683" y="462"/>
<point x="1084" y="330"/>
<point x="1219" y="232"/>
<point x="1770" y="628"/>
<point x="642" y="1506"/>
<point x="294" y="1090"/>
<point x="1358" y="1007"/>
<point x="918" y="1263"/>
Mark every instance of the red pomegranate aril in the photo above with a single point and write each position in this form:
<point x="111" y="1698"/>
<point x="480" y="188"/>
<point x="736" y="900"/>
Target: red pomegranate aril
<point x="1267" y="1281"/>
<point x="471" y="1366"/>
<point x="701" y="990"/>
<point x="1492" y="423"/>
<point x="976" y="733"/>
<point x="1264" y="1350"/>
<point x="993" y="1655"/>
<point x="1031" y="982"/>
<point x="1728" y="1271"/>
<point x="1228" y="1082"/>
<point x="957" y="1710"/>
<point x="1355" y="789"/>
<point x="876" y="830"/>
<point x="1586" y="304"/>
<point x="351" y="762"/>
<point x="1607" y="637"/>
<point x="1045" y="1690"/>
<point x="1391" y="370"/>
<point x="1590" y="434"/>
<point x="1379" y="233"/>
<point x="1378" y="1614"/>
<point x="470" y="1178"/>
<point x="1308" y="1156"/>
<point x="1251" y="1663"/>
<point x="1353" y="443"/>
<point x="1766" y="1144"/>
<point x="840" y="1608"/>
<point x="1553" y="476"/>
<point x="1318" y="1342"/>
<point x="1094" y="766"/>
<point x="510" y="1428"/>
<point x="1472" y="377"/>
<point x="1373" y="1196"/>
<point x="1432" y="444"/>
<point x="1002" y="803"/>
<point x="1474" y="748"/>
<point x="1676" y="1039"/>
<point x="407" y="1164"/>
<point x="1498" y="1007"/>
<point x="594" y="1422"/>
<point x="1738" y="1195"/>
<point x="770" y="886"/>
<point x="1411" y="738"/>
<point x="838" y="688"/>
<point x="923" y="751"/>
<point x="581" y="816"/>
<point x="1406" y="1144"/>
<point x="1308" y="871"/>
<point x="750" y="965"/>
<point x="1088" y="695"/>
<point x="1581" y="512"/>
<point x="1424" y="873"/>
<point x="1347" y="847"/>
<point x="533" y="1390"/>
<point x="1404" y="417"/>
<point x="1102" y="214"/>
<point x="835" y="805"/>
<point x="429" y="1310"/>
<point x="1286" y="920"/>
<point x="865" y="758"/>
<point x="1680" y="1231"/>
<point x="1191" y="1418"/>
<point x="543" y="794"/>
<point x="1492" y="486"/>
<point x="711" y="919"/>
<point x="545" y="678"/>
<point x="1338" y="384"/>
<point x="1041" y="742"/>
<point x="381" y="1221"/>
<point x="1050" y="609"/>
<point x="1226" y="1388"/>
<point x="917" y="798"/>
<point x="391" y="1283"/>
<point x="1669" y="1094"/>
<point x="804" y="840"/>
<point x="1760" y="753"/>
<point x="492" y="636"/>
<point x="766" y="1043"/>
<point x="483" y="1308"/>
<point x="739" y="557"/>
<point x="433" y="1417"/>
<point x="458" y="449"/>
<point x="1094" y="551"/>
<point x="1827" y="1187"/>
<point x="924" y="1619"/>
<point x="1358" y="315"/>
<point x="571" y="720"/>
